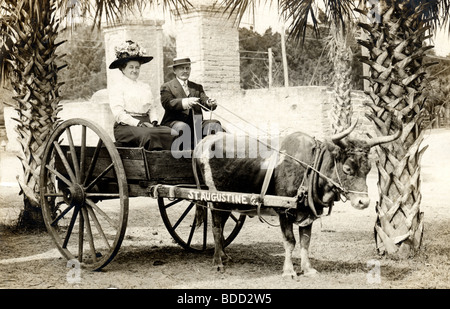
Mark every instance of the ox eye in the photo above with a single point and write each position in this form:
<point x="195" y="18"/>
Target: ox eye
<point x="348" y="170"/>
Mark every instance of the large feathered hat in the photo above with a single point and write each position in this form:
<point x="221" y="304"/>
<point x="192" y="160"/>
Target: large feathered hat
<point x="127" y="51"/>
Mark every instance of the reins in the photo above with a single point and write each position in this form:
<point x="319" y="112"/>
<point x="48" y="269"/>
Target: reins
<point x="306" y="165"/>
<point x="312" y="197"/>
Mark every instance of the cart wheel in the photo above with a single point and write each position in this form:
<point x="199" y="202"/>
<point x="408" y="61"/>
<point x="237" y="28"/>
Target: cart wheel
<point x="85" y="216"/>
<point x="178" y="216"/>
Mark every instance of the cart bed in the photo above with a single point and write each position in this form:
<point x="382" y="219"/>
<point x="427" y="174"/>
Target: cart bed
<point x="143" y="168"/>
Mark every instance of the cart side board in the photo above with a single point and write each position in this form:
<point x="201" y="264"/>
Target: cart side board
<point x="142" y="168"/>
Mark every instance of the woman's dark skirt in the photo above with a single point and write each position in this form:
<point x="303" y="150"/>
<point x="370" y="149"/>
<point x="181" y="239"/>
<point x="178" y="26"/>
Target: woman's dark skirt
<point x="156" y="138"/>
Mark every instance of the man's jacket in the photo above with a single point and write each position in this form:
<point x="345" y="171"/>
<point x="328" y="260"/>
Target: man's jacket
<point x="172" y="94"/>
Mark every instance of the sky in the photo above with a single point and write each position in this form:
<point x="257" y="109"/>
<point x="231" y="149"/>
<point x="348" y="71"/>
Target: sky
<point x="267" y="16"/>
<point x="442" y="43"/>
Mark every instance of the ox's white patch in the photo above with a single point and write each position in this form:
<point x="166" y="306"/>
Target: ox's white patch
<point x="208" y="174"/>
<point x="203" y="154"/>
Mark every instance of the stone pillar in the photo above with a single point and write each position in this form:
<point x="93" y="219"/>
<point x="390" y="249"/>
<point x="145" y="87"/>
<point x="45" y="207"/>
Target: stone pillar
<point x="149" y="35"/>
<point x="211" y="40"/>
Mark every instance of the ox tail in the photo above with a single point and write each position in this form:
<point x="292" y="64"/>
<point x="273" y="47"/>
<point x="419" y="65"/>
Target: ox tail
<point x="200" y="210"/>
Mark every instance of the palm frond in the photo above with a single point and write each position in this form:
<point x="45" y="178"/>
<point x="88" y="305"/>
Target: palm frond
<point x="237" y="9"/>
<point x="113" y="10"/>
<point x="437" y="13"/>
<point x="340" y="12"/>
<point x="445" y="9"/>
<point x="298" y="14"/>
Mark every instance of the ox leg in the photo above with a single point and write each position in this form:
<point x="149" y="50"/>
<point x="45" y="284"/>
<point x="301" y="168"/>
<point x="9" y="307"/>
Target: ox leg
<point x="305" y="238"/>
<point x="218" y="221"/>
<point x="289" y="245"/>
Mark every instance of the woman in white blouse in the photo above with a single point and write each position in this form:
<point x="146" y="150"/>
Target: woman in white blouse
<point x="132" y="103"/>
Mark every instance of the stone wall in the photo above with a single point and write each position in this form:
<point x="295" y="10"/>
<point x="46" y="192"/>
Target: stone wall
<point x="287" y="110"/>
<point x="98" y="112"/>
<point x="149" y="35"/>
<point x="211" y="40"/>
<point x="275" y="111"/>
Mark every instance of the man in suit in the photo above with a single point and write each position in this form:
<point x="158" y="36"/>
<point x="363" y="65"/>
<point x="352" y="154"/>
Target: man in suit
<point x="183" y="101"/>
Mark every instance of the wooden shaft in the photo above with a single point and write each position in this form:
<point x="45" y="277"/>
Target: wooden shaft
<point x="194" y="194"/>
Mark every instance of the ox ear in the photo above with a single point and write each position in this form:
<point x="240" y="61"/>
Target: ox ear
<point x="335" y="150"/>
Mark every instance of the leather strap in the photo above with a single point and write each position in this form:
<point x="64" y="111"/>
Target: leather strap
<point x="270" y="168"/>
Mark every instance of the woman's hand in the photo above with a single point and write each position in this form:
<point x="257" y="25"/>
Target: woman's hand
<point x="144" y="124"/>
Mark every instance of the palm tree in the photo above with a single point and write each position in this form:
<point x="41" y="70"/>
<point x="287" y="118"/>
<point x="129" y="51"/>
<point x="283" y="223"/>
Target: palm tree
<point x="396" y="47"/>
<point x="32" y="65"/>
<point x="396" y="50"/>
<point x="341" y="56"/>
<point x="33" y="73"/>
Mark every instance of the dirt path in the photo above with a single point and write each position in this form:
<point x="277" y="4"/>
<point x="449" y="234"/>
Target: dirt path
<point x="342" y="249"/>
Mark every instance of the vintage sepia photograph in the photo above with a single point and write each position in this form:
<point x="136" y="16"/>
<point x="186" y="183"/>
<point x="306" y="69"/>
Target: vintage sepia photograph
<point x="223" y="150"/>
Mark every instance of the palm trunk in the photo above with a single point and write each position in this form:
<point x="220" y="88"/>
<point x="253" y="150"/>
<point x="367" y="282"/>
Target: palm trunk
<point x="34" y="80"/>
<point x="396" y="51"/>
<point x="341" y="56"/>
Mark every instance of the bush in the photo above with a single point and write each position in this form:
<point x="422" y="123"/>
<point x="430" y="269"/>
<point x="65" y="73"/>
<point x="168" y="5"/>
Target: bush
<point x="307" y="61"/>
<point x="85" y="57"/>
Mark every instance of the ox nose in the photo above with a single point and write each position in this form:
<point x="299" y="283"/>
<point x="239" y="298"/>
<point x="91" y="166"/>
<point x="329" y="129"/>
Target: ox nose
<point x="361" y="202"/>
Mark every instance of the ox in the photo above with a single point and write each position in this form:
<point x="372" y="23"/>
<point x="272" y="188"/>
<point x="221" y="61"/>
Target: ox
<point x="316" y="172"/>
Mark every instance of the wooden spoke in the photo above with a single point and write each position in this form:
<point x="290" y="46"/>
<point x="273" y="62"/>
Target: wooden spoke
<point x="82" y="152"/>
<point x="183" y="216"/>
<point x="65" y="162"/>
<point x="173" y="203"/>
<point x="233" y="217"/>
<point x="98" y="226"/>
<point x="58" y="174"/>
<point x="62" y="214"/>
<point x="102" y="195"/>
<point x="99" y="176"/>
<point x="53" y="195"/>
<point x="89" y="234"/>
<point x="73" y="154"/>
<point x="81" y="239"/>
<point x="70" y="228"/>
<point x="93" y="161"/>
<point x="113" y="223"/>
<point x="191" y="232"/>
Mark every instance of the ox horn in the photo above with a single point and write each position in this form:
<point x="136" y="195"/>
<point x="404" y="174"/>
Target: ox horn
<point x="385" y="139"/>
<point x="337" y="138"/>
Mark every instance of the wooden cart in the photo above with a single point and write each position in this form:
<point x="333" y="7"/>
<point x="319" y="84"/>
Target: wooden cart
<point x="86" y="183"/>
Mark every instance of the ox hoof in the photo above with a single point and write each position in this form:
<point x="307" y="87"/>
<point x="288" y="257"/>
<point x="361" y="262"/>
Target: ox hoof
<point x="289" y="274"/>
<point x="219" y="268"/>
<point x="310" y="272"/>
